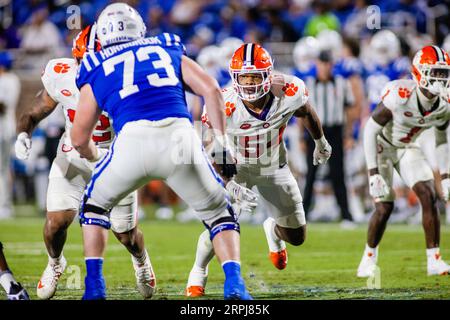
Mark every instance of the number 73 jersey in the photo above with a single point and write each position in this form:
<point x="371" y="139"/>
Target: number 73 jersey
<point x="409" y="120"/>
<point x="58" y="79"/>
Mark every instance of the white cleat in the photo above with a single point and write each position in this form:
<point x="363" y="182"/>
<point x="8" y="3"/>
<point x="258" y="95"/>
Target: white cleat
<point x="48" y="283"/>
<point x="145" y="277"/>
<point x="437" y="267"/>
<point x="367" y="266"/>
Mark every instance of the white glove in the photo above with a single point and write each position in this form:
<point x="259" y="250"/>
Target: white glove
<point x="241" y="193"/>
<point x="100" y="154"/>
<point x="445" y="183"/>
<point x="377" y="186"/>
<point x="23" y="146"/>
<point x="322" y="151"/>
<point x="244" y="207"/>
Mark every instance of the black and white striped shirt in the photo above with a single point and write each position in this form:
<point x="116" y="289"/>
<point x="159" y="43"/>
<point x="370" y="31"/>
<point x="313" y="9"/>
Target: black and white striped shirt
<point x="330" y="99"/>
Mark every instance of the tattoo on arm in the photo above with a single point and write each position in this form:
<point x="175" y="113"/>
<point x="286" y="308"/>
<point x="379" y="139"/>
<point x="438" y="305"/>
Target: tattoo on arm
<point x="41" y="107"/>
<point x="310" y="120"/>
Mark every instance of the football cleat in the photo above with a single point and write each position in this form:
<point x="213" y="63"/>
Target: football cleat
<point x="277" y="247"/>
<point x="95" y="289"/>
<point x="234" y="289"/>
<point x="196" y="283"/>
<point x="436" y="266"/>
<point x="195" y="291"/>
<point x="367" y="266"/>
<point x="279" y="259"/>
<point x="17" y="292"/>
<point x="145" y="277"/>
<point x="48" y="283"/>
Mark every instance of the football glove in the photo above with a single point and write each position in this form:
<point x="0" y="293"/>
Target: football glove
<point x="377" y="186"/>
<point x="23" y="146"/>
<point x="322" y="151"/>
<point x="445" y="183"/>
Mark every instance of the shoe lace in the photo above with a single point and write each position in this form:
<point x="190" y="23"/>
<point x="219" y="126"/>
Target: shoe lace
<point x="144" y="273"/>
<point x="55" y="273"/>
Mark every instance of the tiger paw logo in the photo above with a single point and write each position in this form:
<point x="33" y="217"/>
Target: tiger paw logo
<point x="61" y="67"/>
<point x="404" y="93"/>
<point x="290" y="89"/>
<point x="229" y="108"/>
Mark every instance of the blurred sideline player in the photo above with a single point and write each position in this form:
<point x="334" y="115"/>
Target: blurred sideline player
<point x="70" y="173"/>
<point x="140" y="83"/>
<point x="407" y="108"/>
<point x="13" y="289"/>
<point x="258" y="108"/>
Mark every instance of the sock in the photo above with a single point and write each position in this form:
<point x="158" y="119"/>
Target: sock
<point x="204" y="254"/>
<point x="371" y="252"/>
<point x="275" y="243"/>
<point x="231" y="268"/>
<point x="433" y="253"/>
<point x="6" y="279"/>
<point x="55" y="260"/>
<point x="141" y="260"/>
<point x="94" y="267"/>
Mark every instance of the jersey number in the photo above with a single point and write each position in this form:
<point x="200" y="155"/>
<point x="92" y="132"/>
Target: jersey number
<point x="142" y="54"/>
<point x="103" y="124"/>
<point x="410" y="134"/>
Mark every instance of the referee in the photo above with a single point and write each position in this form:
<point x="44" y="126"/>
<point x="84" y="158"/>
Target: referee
<point x="331" y="97"/>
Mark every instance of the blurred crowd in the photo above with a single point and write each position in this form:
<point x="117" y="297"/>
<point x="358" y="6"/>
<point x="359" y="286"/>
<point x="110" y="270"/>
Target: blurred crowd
<point x="366" y="43"/>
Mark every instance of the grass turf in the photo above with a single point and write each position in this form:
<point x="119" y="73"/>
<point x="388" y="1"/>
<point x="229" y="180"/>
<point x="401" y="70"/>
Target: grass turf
<point x="324" y="267"/>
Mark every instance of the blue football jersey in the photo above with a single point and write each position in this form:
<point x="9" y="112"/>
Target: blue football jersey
<point x="378" y="76"/>
<point x="138" y="80"/>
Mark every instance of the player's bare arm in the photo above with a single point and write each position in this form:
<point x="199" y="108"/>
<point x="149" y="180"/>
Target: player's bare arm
<point x="310" y="120"/>
<point x="380" y="117"/>
<point x="42" y="106"/>
<point x="84" y="124"/>
<point x="206" y="86"/>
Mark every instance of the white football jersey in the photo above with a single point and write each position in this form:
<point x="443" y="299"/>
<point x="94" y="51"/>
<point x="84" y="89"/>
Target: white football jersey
<point x="59" y="81"/>
<point x="409" y="120"/>
<point x="258" y="139"/>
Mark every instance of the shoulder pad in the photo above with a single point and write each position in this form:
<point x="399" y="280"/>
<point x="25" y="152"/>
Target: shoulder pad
<point x="397" y="92"/>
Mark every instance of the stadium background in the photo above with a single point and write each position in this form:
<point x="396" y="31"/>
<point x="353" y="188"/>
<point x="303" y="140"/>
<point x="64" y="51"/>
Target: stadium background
<point x="32" y="32"/>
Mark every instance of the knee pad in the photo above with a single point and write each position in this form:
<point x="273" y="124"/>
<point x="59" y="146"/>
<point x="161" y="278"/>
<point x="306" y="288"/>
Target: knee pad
<point x="223" y="224"/>
<point x="94" y="215"/>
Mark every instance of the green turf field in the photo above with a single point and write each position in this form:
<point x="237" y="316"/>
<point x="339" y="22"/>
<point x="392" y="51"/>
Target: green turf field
<point x="324" y="267"/>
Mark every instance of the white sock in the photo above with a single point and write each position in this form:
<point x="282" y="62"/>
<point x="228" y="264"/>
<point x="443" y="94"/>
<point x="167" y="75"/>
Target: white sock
<point x="6" y="277"/>
<point x="275" y="243"/>
<point x="433" y="254"/>
<point x="371" y="252"/>
<point x="204" y="254"/>
<point x="140" y="260"/>
<point x="55" y="260"/>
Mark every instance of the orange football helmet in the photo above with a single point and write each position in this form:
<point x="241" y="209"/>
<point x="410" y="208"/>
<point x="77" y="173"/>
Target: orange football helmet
<point x="251" y="58"/>
<point x="85" y="40"/>
<point x="431" y="70"/>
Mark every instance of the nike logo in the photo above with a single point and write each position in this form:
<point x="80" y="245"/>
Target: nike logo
<point x="40" y="286"/>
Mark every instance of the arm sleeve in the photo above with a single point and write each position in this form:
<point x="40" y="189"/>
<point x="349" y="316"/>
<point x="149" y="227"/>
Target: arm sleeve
<point x="371" y="132"/>
<point x="442" y="151"/>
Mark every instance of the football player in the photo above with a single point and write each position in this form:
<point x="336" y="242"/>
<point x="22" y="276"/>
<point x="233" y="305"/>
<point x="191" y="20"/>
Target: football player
<point x="13" y="289"/>
<point x="258" y="108"/>
<point x="407" y="108"/>
<point x="70" y="172"/>
<point x="140" y="83"/>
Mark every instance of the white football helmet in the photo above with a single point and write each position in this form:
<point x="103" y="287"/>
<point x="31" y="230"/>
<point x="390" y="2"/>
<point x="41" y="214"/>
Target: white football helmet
<point x="306" y="50"/>
<point x="446" y="44"/>
<point x="384" y="47"/>
<point x="119" y="22"/>
<point x="330" y="40"/>
<point x="227" y="47"/>
<point x="209" y="58"/>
